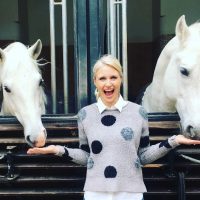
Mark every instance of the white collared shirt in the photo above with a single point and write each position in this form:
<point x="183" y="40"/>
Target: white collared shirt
<point x="119" y="105"/>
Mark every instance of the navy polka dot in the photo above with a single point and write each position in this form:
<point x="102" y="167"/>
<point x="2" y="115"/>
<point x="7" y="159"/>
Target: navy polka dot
<point x="144" y="141"/>
<point x="165" y="144"/>
<point x="96" y="147"/>
<point x="143" y="113"/>
<point x="81" y="115"/>
<point x="66" y="155"/>
<point x="90" y="163"/>
<point x="108" y="120"/>
<point x="110" y="172"/>
<point x="85" y="147"/>
<point x="127" y="133"/>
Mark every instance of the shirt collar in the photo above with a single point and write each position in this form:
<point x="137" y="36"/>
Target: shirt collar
<point x="119" y="105"/>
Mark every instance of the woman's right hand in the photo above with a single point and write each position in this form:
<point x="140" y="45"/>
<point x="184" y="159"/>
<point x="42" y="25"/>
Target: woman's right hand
<point x="51" y="149"/>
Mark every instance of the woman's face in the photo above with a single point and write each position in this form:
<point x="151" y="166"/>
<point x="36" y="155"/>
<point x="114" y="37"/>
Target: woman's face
<point x="108" y="81"/>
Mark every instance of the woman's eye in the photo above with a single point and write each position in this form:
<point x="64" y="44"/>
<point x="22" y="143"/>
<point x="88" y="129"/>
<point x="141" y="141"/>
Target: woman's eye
<point x="184" y="71"/>
<point x="113" y="78"/>
<point x="7" y="89"/>
<point x="102" y="78"/>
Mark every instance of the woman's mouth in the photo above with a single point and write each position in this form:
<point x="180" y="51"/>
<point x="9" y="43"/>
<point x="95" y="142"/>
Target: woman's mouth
<point x="108" y="93"/>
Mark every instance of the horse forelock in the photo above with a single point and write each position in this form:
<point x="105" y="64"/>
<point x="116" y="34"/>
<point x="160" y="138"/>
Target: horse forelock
<point x="15" y="45"/>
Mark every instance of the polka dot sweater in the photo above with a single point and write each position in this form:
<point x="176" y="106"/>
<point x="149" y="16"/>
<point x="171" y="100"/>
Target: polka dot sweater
<point x="114" y="145"/>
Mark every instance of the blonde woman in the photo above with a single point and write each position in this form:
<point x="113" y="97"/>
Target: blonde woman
<point x="114" y="140"/>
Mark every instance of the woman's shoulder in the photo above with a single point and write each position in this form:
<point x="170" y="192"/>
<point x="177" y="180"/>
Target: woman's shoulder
<point x="88" y="108"/>
<point x="92" y="106"/>
<point x="134" y="107"/>
<point x="86" y="111"/>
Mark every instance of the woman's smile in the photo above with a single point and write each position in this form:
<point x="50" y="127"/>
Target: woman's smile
<point x="108" y="82"/>
<point x="108" y="92"/>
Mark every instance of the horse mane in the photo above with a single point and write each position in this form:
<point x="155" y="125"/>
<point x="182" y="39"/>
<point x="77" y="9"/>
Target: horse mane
<point x="40" y="63"/>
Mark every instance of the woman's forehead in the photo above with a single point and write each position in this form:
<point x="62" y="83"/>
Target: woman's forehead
<point x="106" y="69"/>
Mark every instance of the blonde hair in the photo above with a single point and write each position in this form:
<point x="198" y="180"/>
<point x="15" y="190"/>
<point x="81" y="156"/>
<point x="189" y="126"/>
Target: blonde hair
<point x="107" y="60"/>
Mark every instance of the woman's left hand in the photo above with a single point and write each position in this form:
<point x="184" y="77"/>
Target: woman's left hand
<point x="181" y="139"/>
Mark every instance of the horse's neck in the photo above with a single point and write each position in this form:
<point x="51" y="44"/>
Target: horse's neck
<point x="164" y="58"/>
<point x="155" y="100"/>
<point x="155" y="94"/>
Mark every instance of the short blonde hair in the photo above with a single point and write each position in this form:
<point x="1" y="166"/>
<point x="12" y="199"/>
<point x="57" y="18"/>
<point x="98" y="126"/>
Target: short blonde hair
<point x="107" y="60"/>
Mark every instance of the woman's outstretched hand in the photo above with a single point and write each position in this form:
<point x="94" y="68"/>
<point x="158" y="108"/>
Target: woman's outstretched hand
<point x="51" y="149"/>
<point x="180" y="139"/>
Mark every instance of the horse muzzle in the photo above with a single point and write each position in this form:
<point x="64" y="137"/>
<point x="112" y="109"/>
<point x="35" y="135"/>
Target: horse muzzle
<point x="38" y="141"/>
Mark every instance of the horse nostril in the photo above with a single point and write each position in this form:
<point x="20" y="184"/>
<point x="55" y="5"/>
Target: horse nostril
<point x="190" y="130"/>
<point x="30" y="143"/>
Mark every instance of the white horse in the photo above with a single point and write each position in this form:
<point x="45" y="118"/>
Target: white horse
<point x="176" y="82"/>
<point x="23" y="95"/>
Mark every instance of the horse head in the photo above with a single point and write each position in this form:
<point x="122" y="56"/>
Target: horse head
<point x="23" y="95"/>
<point x="176" y="79"/>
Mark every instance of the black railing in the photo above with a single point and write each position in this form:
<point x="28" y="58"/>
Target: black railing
<point x="49" y="177"/>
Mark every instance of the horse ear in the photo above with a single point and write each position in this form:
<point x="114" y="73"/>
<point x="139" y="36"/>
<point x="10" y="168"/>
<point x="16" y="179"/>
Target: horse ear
<point x="35" y="49"/>
<point x="182" y="30"/>
<point x="2" y="56"/>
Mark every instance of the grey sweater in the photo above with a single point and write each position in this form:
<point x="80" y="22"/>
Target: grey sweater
<point x="114" y="145"/>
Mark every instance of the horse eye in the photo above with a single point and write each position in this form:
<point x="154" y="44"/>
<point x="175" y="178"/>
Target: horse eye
<point x="7" y="89"/>
<point x="41" y="82"/>
<point x="184" y="71"/>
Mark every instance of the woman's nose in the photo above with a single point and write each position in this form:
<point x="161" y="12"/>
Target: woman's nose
<point x="108" y="82"/>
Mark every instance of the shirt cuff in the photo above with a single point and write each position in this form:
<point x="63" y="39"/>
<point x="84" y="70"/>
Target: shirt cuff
<point x="172" y="141"/>
<point x="61" y="150"/>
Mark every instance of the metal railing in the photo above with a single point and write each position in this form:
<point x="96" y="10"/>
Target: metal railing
<point x="52" y="4"/>
<point x="117" y="46"/>
<point x="117" y="35"/>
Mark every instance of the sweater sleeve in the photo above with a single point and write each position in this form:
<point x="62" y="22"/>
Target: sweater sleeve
<point x="78" y="155"/>
<point x="149" y="153"/>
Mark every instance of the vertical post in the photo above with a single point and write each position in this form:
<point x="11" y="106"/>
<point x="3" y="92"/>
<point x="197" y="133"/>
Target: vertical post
<point x="53" y="56"/>
<point x="124" y="49"/>
<point x="108" y="28"/>
<point x="95" y="38"/>
<point x="81" y="57"/>
<point x="65" y="56"/>
<point x="118" y="36"/>
<point x="112" y="19"/>
<point x="88" y="46"/>
<point x="63" y="4"/>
